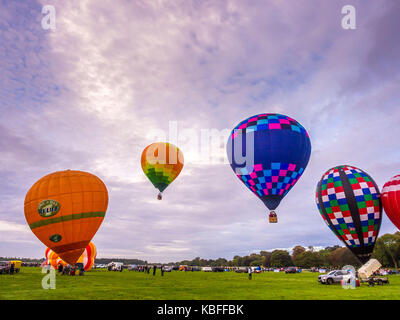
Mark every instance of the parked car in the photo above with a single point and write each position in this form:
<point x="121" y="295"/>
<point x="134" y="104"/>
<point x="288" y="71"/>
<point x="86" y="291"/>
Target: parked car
<point x="115" y="266"/>
<point x="4" y="267"/>
<point x="196" y="269"/>
<point x="291" y="270"/>
<point x="335" y="276"/>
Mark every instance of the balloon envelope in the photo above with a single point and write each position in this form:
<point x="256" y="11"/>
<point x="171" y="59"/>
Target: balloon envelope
<point x="349" y="201"/>
<point x="276" y="150"/>
<point x="87" y="258"/>
<point x="65" y="209"/>
<point x="161" y="163"/>
<point x="391" y="200"/>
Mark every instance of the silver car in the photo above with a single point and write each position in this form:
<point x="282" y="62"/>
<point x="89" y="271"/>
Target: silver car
<point x="334" y="276"/>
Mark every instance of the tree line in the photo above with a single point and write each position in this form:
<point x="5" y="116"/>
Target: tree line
<point x="387" y="251"/>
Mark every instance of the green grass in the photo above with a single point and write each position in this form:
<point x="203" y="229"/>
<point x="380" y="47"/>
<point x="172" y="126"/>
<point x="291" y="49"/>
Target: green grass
<point x="101" y="284"/>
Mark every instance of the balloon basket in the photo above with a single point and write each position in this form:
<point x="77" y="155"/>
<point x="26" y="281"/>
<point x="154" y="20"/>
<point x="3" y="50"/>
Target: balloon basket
<point x="273" y="218"/>
<point x="159" y="197"/>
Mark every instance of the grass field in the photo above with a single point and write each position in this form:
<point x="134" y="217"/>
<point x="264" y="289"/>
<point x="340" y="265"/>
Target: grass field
<point x="101" y="284"/>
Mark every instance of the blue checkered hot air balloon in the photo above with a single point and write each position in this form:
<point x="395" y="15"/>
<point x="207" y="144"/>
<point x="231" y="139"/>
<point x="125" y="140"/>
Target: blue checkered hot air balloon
<point x="269" y="153"/>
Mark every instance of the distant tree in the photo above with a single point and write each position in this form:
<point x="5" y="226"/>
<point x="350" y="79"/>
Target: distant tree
<point x="323" y="254"/>
<point x="203" y="262"/>
<point x="266" y="258"/>
<point x="194" y="262"/>
<point x="330" y="249"/>
<point x="246" y="261"/>
<point x="264" y="253"/>
<point x="341" y="257"/>
<point x="387" y="250"/>
<point x="296" y="251"/>
<point x="308" y="259"/>
<point x="281" y="258"/>
<point x="221" y="262"/>
<point x="257" y="262"/>
<point x="237" y="261"/>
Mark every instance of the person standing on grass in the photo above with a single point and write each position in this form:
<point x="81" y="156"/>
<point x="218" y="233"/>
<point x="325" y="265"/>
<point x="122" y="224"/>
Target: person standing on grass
<point x="154" y="270"/>
<point x="162" y="271"/>
<point x="250" y="272"/>
<point x="12" y="268"/>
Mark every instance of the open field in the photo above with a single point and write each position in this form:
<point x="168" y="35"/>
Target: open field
<point x="101" y="284"/>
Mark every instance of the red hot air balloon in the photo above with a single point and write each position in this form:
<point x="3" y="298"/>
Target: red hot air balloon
<point x="391" y="200"/>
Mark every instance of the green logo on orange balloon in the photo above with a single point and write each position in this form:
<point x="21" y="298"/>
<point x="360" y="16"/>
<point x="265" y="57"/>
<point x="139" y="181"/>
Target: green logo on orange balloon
<point x="48" y="208"/>
<point x="55" y="238"/>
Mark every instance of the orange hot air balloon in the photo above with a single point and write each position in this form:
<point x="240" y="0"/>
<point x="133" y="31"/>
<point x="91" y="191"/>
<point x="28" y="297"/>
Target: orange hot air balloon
<point x="161" y="163"/>
<point x="87" y="258"/>
<point x="65" y="209"/>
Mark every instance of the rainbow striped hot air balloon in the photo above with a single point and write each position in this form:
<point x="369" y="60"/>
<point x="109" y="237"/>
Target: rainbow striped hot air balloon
<point x="161" y="163"/>
<point x="64" y="210"/>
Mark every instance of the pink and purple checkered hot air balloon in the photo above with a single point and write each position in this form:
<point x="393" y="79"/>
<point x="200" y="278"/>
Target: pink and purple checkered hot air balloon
<point x="349" y="201"/>
<point x="269" y="153"/>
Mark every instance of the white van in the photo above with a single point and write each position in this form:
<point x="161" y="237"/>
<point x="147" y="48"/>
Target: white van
<point x="115" y="266"/>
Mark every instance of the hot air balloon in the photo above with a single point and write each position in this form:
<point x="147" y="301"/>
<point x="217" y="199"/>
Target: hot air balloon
<point x="87" y="258"/>
<point x="391" y="200"/>
<point x="161" y="163"/>
<point x="269" y="153"/>
<point x="53" y="259"/>
<point x="349" y="201"/>
<point x="65" y="209"/>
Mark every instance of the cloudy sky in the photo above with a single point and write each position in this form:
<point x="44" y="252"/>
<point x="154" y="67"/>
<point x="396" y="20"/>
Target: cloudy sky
<point x="116" y="75"/>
